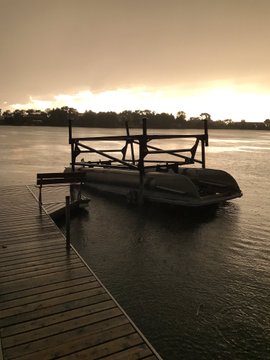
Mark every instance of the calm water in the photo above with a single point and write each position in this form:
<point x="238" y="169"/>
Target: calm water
<point x="197" y="284"/>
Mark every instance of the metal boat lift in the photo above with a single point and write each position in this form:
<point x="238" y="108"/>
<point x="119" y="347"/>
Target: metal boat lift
<point x="140" y="164"/>
<point x="133" y="170"/>
<point x="181" y="157"/>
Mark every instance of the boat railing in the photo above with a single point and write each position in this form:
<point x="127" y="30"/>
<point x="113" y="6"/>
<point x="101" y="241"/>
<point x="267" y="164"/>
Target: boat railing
<point x="139" y="160"/>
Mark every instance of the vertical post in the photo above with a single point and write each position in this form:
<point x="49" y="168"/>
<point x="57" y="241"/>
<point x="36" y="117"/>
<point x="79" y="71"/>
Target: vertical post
<point x="70" y="140"/>
<point x="39" y="200"/>
<point x="143" y="152"/>
<point x="40" y="193"/>
<point x="144" y="127"/>
<point x="204" y="142"/>
<point x="203" y="154"/>
<point x="67" y="223"/>
<point x="206" y="131"/>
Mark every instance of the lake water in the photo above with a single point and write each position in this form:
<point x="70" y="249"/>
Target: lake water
<point x="196" y="283"/>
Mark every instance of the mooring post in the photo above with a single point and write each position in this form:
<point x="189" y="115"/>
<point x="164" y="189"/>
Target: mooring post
<point x="143" y="152"/>
<point x="203" y="153"/>
<point x="204" y="142"/>
<point x="40" y="193"/>
<point x="70" y="140"/>
<point x="67" y="223"/>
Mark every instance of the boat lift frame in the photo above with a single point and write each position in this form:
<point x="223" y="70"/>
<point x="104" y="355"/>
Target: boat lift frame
<point x="141" y="164"/>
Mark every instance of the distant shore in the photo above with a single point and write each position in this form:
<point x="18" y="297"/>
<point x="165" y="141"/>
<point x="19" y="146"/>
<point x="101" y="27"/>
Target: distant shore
<point x="90" y="119"/>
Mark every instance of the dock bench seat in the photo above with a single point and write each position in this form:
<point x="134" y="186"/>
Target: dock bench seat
<point x="60" y="178"/>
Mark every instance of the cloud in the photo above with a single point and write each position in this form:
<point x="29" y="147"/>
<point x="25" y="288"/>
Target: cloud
<point x="68" y="47"/>
<point x="225" y="102"/>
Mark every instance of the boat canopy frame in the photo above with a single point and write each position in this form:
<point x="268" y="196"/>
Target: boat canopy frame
<point x="182" y="156"/>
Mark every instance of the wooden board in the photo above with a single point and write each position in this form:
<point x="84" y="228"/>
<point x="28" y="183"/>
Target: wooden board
<point x="51" y="304"/>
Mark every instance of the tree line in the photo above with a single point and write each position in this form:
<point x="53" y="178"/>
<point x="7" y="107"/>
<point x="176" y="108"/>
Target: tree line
<point x="60" y="116"/>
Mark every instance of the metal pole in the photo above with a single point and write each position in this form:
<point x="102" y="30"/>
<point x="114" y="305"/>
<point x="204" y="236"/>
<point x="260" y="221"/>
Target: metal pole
<point x="143" y="151"/>
<point x="206" y="131"/>
<point x="39" y="201"/>
<point x="71" y="143"/>
<point x="203" y="154"/>
<point x="67" y="223"/>
<point x="40" y="193"/>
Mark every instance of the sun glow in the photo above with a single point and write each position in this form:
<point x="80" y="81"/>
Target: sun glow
<point x="230" y="103"/>
<point x="224" y="102"/>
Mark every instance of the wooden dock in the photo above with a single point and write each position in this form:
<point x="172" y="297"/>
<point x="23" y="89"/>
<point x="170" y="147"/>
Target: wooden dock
<point x="53" y="198"/>
<point x="52" y="305"/>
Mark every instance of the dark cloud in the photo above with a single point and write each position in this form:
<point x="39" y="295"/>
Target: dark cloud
<point x="56" y="46"/>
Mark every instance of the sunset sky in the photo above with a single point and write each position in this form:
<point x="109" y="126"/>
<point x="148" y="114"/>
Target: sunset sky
<point x="114" y="55"/>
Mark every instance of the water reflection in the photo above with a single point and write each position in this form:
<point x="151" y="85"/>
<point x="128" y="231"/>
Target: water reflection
<point x="173" y="263"/>
<point x="196" y="282"/>
<point x="180" y="275"/>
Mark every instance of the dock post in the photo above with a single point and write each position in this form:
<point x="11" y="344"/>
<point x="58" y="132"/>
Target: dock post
<point x="40" y="194"/>
<point x="67" y="223"/>
<point x="143" y="152"/>
<point x="203" y="153"/>
<point x="206" y="132"/>
<point x="204" y="141"/>
<point x="70" y="140"/>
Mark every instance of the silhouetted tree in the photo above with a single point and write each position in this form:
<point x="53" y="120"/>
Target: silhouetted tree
<point x="267" y="123"/>
<point x="194" y="123"/>
<point x="228" y="122"/>
<point x="181" y="119"/>
<point x="205" y="116"/>
<point x="59" y="116"/>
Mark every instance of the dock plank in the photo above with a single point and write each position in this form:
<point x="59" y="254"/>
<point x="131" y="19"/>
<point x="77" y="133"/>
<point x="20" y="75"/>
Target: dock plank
<point x="109" y="347"/>
<point x="48" y="307"/>
<point x="60" y="346"/>
<point x="135" y="352"/>
<point x="51" y="303"/>
<point x="26" y="300"/>
<point x="42" y="332"/>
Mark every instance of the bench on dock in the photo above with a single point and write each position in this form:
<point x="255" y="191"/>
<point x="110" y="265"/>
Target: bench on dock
<point x="61" y="178"/>
<point x="44" y="179"/>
